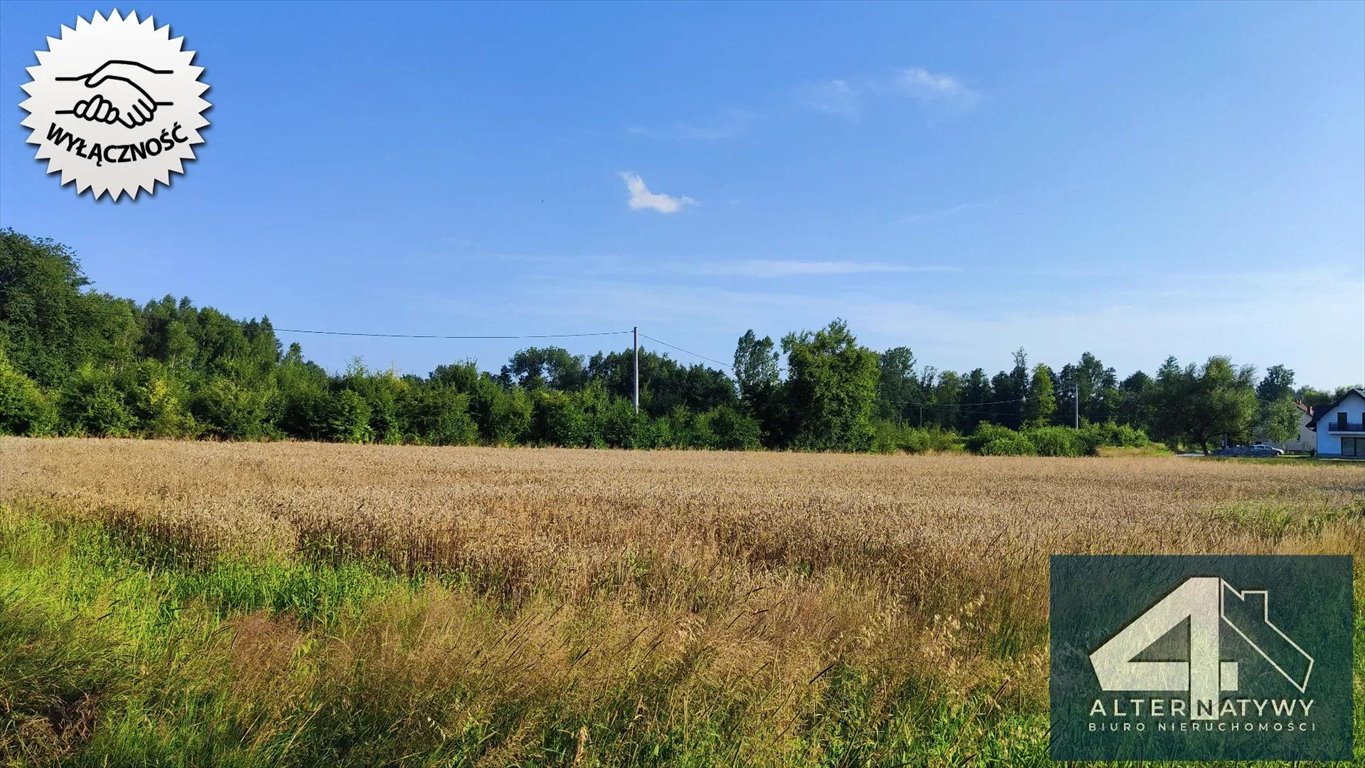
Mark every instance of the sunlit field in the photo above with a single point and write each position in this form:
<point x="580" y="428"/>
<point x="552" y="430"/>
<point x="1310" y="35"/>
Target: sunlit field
<point x="302" y="604"/>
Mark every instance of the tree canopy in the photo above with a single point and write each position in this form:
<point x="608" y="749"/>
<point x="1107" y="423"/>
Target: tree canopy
<point x="77" y="361"/>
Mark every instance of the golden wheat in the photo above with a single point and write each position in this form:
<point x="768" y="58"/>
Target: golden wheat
<point x="583" y="571"/>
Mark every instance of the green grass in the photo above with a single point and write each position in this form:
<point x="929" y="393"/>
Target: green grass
<point x="110" y="656"/>
<point x="1151" y="449"/>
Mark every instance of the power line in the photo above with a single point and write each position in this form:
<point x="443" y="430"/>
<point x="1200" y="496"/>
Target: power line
<point x="444" y="336"/>
<point x="686" y="351"/>
<point x="965" y="402"/>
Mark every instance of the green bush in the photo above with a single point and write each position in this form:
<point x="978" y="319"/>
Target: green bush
<point x="1057" y="441"/>
<point x="503" y="417"/>
<point x="90" y="403"/>
<point x="159" y="401"/>
<point x="24" y="408"/>
<point x="233" y="410"/>
<point x="890" y="437"/>
<point x="438" y="415"/>
<point x="382" y="393"/>
<point x="993" y="440"/>
<point x="724" y="428"/>
<point x="1117" y="435"/>
<point x="557" y="419"/>
<point x="617" y="425"/>
<point x="303" y="412"/>
<point x="348" y="417"/>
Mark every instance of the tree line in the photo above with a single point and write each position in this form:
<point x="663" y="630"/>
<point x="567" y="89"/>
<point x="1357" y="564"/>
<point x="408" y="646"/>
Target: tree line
<point x="76" y="361"/>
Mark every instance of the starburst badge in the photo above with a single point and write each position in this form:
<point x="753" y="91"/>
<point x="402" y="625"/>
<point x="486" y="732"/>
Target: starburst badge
<point x="115" y="105"/>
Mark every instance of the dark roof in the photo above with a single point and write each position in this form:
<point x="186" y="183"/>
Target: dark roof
<point x="1313" y="422"/>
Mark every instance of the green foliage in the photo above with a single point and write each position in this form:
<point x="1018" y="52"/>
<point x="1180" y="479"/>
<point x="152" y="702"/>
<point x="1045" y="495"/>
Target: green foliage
<point x="558" y="419"/>
<point x="1057" y="441"/>
<point x="1041" y="403"/>
<point x="227" y="408"/>
<point x="538" y="368"/>
<point x="1199" y="404"/>
<point x="439" y="415"/>
<point x="1115" y="435"/>
<point x="726" y="428"/>
<point x="1278" y="384"/>
<point x="1278" y="420"/>
<point x="303" y="395"/>
<point x="893" y="437"/>
<point x="24" y="408"/>
<point x="503" y="416"/>
<point x="81" y="362"/>
<point x="348" y="418"/>
<point x="382" y="393"/>
<point x="832" y="385"/>
<point x="898" y="389"/>
<point x="159" y="401"/>
<point x="90" y="403"/>
<point x="994" y="440"/>
<point x="615" y="424"/>
<point x="49" y="326"/>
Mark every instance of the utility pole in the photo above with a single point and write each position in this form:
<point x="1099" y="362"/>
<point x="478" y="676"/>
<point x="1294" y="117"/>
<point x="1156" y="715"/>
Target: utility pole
<point x="635" y="333"/>
<point x="1076" y="404"/>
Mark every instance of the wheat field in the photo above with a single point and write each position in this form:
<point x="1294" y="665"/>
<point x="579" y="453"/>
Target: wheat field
<point x="294" y="604"/>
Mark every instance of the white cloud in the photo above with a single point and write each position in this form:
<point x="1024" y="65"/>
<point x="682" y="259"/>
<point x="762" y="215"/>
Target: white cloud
<point x="641" y="199"/>
<point x="919" y="83"/>
<point x="845" y="98"/>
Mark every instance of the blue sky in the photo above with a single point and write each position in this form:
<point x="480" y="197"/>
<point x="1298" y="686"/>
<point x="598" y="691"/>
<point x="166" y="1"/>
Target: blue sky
<point x="1133" y="180"/>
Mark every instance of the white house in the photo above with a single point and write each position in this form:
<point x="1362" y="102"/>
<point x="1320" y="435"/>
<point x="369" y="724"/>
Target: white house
<point x="1340" y="427"/>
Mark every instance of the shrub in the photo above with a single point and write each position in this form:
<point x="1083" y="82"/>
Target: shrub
<point x="91" y="404"/>
<point x="438" y="415"/>
<point x="24" y="408"/>
<point x="1117" y="435"/>
<point x="890" y="437"/>
<point x="232" y="410"/>
<point x="348" y="417"/>
<point x="503" y="417"/>
<point x="617" y="425"/>
<point x="557" y="419"/>
<point x="159" y="401"/>
<point x="725" y="429"/>
<point x="993" y="440"/>
<point x="304" y="411"/>
<point x="1057" y="441"/>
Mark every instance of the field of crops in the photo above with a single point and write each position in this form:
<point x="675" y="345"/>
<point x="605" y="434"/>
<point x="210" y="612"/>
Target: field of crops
<point x="301" y="604"/>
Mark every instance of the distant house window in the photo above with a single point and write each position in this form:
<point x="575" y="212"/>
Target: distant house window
<point x="1353" y="446"/>
<point x="1341" y="419"/>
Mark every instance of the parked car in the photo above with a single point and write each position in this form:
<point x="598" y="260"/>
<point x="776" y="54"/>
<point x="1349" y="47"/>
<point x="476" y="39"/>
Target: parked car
<point x="1260" y="450"/>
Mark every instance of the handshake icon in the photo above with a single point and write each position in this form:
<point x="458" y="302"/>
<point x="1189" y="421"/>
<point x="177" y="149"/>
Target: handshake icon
<point x="117" y="95"/>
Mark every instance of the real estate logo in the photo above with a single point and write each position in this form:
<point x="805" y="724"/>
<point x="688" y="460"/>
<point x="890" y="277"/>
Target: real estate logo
<point x="1201" y="657"/>
<point x="115" y="105"/>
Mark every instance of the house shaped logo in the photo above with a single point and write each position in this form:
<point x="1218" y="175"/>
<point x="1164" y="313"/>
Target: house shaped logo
<point x="1188" y="657"/>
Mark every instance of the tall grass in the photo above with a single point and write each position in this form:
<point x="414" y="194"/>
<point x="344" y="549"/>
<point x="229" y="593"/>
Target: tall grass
<point x="195" y="604"/>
